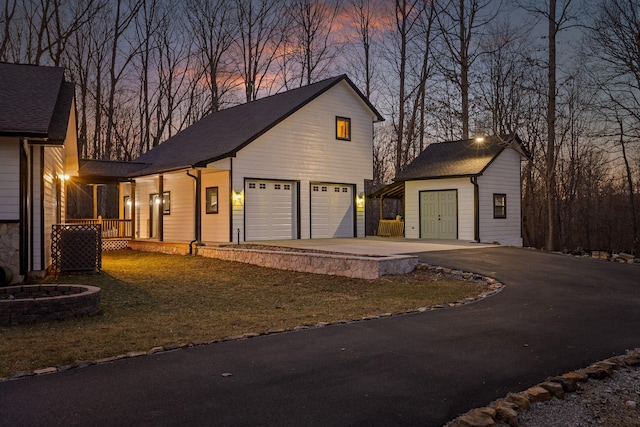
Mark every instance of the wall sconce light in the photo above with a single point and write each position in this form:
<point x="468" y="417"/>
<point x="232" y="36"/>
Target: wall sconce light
<point x="360" y="201"/>
<point x="237" y="198"/>
<point x="128" y="202"/>
<point x="64" y="177"/>
<point x="479" y="139"/>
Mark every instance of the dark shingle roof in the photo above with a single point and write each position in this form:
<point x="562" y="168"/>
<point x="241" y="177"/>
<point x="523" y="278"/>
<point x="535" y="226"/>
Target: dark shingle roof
<point x="34" y="101"/>
<point x="223" y="133"/>
<point x="458" y="158"/>
<point x="108" y="170"/>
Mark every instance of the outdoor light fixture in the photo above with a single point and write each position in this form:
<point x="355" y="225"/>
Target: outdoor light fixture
<point x="64" y="177"/>
<point x="360" y="201"/>
<point x="479" y="139"/>
<point x="237" y="198"/>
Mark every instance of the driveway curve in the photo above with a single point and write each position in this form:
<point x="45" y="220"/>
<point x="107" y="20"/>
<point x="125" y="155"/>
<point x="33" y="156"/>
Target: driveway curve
<point x="555" y="314"/>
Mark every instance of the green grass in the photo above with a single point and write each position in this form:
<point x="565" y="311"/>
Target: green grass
<point x="153" y="300"/>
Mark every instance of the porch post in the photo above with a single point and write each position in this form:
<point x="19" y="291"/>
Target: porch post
<point x="161" y="214"/>
<point x="133" y="209"/>
<point x="95" y="200"/>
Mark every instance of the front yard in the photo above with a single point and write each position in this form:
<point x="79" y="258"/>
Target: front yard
<point x="153" y="300"/>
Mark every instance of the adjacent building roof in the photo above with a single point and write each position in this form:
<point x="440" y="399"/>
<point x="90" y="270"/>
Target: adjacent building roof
<point x="101" y="171"/>
<point x="466" y="157"/>
<point x="222" y="134"/>
<point x="35" y="102"/>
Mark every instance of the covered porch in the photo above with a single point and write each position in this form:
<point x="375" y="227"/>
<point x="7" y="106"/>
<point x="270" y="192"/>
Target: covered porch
<point x="390" y="222"/>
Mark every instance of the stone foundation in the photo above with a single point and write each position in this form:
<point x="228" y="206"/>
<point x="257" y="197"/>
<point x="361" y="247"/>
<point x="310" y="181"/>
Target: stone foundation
<point x="10" y="248"/>
<point x="361" y="267"/>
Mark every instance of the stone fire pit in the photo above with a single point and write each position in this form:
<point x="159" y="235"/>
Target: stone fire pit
<point x="37" y="303"/>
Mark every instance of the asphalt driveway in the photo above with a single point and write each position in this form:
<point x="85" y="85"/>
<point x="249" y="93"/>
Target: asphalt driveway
<point x="556" y="314"/>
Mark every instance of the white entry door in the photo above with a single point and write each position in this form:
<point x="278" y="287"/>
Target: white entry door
<point x="439" y="214"/>
<point x="270" y="210"/>
<point x="331" y="211"/>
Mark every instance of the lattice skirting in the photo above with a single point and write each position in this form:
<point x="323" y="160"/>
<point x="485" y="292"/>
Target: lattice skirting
<point x="114" y="244"/>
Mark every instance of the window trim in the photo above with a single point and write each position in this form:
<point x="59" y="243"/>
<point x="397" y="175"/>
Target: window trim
<point x="347" y="120"/>
<point x="210" y="208"/>
<point x="166" y="203"/>
<point x="499" y="210"/>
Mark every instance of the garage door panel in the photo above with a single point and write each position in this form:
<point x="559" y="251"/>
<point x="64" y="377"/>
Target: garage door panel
<point x="269" y="210"/>
<point x="331" y="211"/>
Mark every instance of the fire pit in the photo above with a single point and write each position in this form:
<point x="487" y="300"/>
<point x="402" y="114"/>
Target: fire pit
<point x="37" y="303"/>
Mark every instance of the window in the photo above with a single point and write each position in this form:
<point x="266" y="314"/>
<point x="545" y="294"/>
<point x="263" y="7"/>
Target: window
<point x="343" y="128"/>
<point x="212" y="200"/>
<point x="276" y="186"/>
<point x="166" y="203"/>
<point x="287" y="186"/>
<point x="252" y="185"/>
<point x="499" y="205"/>
<point x="336" y="190"/>
<point x="316" y="188"/>
<point x="262" y="186"/>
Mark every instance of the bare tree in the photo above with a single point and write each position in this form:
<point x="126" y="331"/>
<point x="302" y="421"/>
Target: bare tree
<point x="6" y="19"/>
<point x="260" y="23"/>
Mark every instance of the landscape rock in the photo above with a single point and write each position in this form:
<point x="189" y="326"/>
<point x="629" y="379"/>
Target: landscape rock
<point x="554" y="388"/>
<point x="519" y="399"/>
<point x="538" y="394"/>
<point x="506" y="412"/>
<point x="476" y="418"/>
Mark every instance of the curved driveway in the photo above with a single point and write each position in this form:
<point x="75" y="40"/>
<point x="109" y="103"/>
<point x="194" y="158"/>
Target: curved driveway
<point x="556" y="314"/>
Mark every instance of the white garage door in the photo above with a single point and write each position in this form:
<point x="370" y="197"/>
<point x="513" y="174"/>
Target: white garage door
<point x="331" y="211"/>
<point x="270" y="210"/>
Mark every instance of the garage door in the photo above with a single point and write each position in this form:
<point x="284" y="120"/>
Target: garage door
<point x="331" y="211"/>
<point x="270" y="210"/>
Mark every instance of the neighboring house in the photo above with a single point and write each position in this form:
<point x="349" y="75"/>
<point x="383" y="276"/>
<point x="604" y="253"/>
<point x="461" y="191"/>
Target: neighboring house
<point x="38" y="151"/>
<point x="464" y="190"/>
<point x="288" y="166"/>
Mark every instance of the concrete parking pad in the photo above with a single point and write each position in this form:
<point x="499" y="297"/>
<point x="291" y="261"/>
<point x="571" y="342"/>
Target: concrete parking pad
<point x="376" y="245"/>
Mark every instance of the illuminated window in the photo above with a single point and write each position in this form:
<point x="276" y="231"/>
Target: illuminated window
<point x="499" y="205"/>
<point x="166" y="203"/>
<point x="343" y="128"/>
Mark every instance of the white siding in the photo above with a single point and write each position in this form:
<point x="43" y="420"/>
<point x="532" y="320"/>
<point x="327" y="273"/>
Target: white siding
<point x="215" y="227"/>
<point x="502" y="177"/>
<point x="37" y="230"/>
<point x="53" y="170"/>
<point x="144" y="187"/>
<point x="9" y="179"/>
<point x="304" y="148"/>
<point x="465" y="204"/>
<point x="179" y="223"/>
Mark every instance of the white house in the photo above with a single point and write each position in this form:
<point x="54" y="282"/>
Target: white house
<point x="38" y="151"/>
<point x="465" y="190"/>
<point x="288" y="166"/>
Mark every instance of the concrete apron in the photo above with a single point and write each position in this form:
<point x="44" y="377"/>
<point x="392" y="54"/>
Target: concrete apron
<point x="375" y="246"/>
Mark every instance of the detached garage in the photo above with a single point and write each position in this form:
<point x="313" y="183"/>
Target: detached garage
<point x="465" y="190"/>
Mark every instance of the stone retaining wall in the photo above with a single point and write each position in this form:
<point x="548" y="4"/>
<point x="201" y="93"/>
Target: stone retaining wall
<point x="361" y="267"/>
<point x="35" y="303"/>
<point x="10" y="248"/>
<point x="161" y="247"/>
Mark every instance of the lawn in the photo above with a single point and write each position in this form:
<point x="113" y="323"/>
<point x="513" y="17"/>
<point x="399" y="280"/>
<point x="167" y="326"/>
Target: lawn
<point x="153" y="300"/>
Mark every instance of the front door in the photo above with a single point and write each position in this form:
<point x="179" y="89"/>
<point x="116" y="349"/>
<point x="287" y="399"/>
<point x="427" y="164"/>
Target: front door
<point x="154" y="215"/>
<point x="439" y="214"/>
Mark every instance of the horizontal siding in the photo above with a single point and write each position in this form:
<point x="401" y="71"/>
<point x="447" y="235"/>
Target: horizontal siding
<point x="502" y="176"/>
<point x="37" y="231"/>
<point x="179" y="224"/>
<point x="9" y="179"/>
<point x="144" y="187"/>
<point x="303" y="148"/>
<point x="53" y="168"/>
<point x="215" y="227"/>
<point x="465" y="205"/>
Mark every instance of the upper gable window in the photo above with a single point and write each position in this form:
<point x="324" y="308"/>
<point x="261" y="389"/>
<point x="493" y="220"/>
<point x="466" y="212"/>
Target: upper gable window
<point x="343" y="128"/>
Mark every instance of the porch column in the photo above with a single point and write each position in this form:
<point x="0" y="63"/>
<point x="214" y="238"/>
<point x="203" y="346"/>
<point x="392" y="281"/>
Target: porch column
<point x="132" y="197"/>
<point x="161" y="214"/>
<point x="95" y="200"/>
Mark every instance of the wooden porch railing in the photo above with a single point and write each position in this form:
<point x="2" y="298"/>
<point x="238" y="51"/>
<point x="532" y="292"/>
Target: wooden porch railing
<point x="391" y="228"/>
<point x="111" y="228"/>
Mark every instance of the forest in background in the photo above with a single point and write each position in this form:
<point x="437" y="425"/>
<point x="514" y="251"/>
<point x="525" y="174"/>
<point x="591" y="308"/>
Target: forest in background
<point x="562" y="74"/>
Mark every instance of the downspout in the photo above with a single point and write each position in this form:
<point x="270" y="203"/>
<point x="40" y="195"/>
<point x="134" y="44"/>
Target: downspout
<point x="476" y="209"/>
<point x="197" y="210"/>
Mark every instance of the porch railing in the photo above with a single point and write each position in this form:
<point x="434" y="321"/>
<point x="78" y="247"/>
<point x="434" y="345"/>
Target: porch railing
<point x="391" y="228"/>
<point x="111" y="228"/>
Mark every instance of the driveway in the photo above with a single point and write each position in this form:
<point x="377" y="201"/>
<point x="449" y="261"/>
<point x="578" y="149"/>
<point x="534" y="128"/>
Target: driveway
<point x="556" y="314"/>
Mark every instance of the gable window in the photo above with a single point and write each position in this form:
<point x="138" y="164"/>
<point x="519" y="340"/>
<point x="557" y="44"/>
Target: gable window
<point x="499" y="205"/>
<point x="343" y="128"/>
<point x="212" y="200"/>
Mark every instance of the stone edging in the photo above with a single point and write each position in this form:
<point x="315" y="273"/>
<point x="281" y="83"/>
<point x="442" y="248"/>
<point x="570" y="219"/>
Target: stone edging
<point x="493" y="287"/>
<point x="506" y="410"/>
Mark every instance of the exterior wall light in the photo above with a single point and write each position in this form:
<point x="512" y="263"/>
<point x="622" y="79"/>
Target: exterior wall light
<point x="360" y="201"/>
<point x="237" y="198"/>
<point x="479" y="139"/>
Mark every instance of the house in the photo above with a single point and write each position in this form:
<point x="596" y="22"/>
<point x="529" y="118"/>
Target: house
<point x="465" y="190"/>
<point x="38" y="152"/>
<point x="287" y="166"/>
